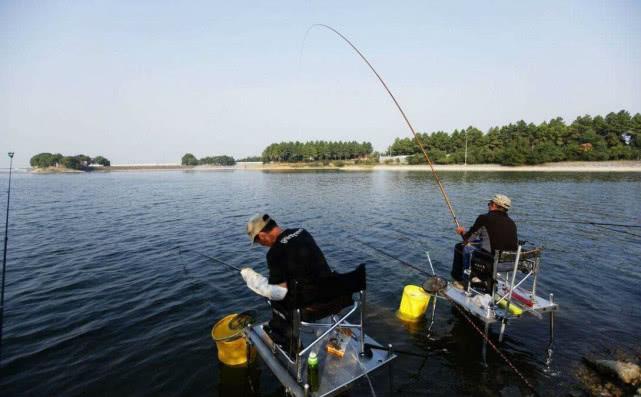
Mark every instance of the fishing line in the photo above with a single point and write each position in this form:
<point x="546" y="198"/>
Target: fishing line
<point x="602" y="225"/>
<point x="487" y="339"/>
<point x="578" y="222"/>
<point x="417" y="139"/>
<point x="396" y="351"/>
<point x="440" y="291"/>
<point x="210" y="258"/>
<point x="4" y="254"/>
<point x="391" y="257"/>
<point x="512" y="366"/>
<point x="621" y="231"/>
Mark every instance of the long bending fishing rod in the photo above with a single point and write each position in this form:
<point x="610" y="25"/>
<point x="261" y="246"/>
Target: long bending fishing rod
<point x="418" y="140"/>
<point x="210" y="258"/>
<point x="4" y="254"/>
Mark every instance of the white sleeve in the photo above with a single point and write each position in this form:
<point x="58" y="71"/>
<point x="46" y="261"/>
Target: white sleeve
<point x="259" y="284"/>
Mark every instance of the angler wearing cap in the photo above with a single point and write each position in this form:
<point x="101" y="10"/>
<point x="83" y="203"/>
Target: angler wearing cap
<point x="495" y="231"/>
<point x="294" y="260"/>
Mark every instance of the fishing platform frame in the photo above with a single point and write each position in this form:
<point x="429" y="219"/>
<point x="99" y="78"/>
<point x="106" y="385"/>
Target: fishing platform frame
<point x="335" y="374"/>
<point x="509" y="271"/>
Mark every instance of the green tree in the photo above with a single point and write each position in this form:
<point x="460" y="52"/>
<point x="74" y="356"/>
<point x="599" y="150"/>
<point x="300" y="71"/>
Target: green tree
<point x="42" y="160"/>
<point x="217" y="160"/>
<point x="101" y="161"/>
<point x="189" y="160"/>
<point x="70" y="162"/>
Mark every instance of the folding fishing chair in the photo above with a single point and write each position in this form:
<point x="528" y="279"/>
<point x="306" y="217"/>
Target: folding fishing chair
<point x="333" y="295"/>
<point x="505" y="280"/>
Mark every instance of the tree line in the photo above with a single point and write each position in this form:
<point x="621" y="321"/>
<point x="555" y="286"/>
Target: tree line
<point x="316" y="150"/>
<point x="250" y="159"/>
<point x="617" y="136"/>
<point x="78" y="162"/>
<point x="190" y="160"/>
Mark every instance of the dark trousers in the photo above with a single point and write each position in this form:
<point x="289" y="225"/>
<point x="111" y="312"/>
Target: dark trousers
<point x="458" y="262"/>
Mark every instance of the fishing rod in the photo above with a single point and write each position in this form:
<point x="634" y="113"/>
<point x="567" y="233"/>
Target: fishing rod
<point x="4" y="254"/>
<point x="210" y="258"/>
<point x="399" y="260"/>
<point x="580" y="222"/>
<point x="417" y="139"/>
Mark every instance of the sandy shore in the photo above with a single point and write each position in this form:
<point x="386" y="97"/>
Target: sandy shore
<point x="569" y="166"/>
<point x="54" y="170"/>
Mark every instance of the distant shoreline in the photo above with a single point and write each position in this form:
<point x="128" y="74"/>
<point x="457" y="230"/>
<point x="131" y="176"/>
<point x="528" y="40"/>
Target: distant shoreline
<point x="569" y="166"/>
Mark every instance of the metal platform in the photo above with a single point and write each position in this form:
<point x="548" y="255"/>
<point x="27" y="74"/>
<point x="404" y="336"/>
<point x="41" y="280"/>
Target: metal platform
<point x="492" y="314"/>
<point x="335" y="374"/>
<point x="472" y="306"/>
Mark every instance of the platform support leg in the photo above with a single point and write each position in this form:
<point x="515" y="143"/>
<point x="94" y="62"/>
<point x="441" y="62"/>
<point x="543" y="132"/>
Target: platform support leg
<point x="503" y="323"/>
<point x="429" y="328"/>
<point x="296" y="348"/>
<point x="391" y="372"/>
<point x="484" y="349"/>
<point x="362" y="337"/>
<point x="548" y="352"/>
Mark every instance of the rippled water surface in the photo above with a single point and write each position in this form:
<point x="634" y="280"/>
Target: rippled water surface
<point x="98" y="301"/>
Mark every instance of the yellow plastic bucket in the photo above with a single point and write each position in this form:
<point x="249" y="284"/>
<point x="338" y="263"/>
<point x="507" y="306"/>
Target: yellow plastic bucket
<point x="231" y="343"/>
<point x="413" y="304"/>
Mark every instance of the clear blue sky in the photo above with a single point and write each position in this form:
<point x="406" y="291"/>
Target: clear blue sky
<point x="147" y="81"/>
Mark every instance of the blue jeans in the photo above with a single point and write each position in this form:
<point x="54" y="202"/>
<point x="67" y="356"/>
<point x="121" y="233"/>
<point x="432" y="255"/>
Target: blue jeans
<point x="463" y="261"/>
<point x="468" y="251"/>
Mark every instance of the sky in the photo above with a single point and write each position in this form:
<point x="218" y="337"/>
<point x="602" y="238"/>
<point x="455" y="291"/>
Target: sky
<point x="148" y="81"/>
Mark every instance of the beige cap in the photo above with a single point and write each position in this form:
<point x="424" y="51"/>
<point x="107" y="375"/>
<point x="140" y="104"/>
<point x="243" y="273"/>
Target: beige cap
<point x="256" y="224"/>
<point x="502" y="201"/>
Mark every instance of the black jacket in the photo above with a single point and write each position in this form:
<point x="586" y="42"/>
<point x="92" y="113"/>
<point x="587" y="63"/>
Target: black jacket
<point x="496" y="231"/>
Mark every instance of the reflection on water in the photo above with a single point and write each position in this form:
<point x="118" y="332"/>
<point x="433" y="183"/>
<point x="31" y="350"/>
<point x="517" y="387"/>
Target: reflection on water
<point x="238" y="381"/>
<point x="98" y="302"/>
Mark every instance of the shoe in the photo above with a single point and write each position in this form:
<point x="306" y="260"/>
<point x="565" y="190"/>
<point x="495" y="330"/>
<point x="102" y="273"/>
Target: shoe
<point x="458" y="285"/>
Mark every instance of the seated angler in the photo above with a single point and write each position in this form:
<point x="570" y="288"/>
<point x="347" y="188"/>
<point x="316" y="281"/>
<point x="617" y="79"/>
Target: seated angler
<point x="294" y="261"/>
<point x="491" y="232"/>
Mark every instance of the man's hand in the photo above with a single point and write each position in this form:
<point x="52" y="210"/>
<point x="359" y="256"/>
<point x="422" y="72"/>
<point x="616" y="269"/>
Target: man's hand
<point x="246" y="273"/>
<point x="259" y="284"/>
<point x="460" y="230"/>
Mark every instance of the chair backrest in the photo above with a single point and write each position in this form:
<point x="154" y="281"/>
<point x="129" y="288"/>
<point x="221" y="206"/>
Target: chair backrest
<point x="330" y="287"/>
<point x="528" y="260"/>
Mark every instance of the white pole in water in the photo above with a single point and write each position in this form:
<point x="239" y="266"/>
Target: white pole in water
<point x="429" y="260"/>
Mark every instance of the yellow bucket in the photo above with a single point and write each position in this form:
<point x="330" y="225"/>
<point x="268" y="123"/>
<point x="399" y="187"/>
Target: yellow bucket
<point x="413" y="304"/>
<point x="231" y="343"/>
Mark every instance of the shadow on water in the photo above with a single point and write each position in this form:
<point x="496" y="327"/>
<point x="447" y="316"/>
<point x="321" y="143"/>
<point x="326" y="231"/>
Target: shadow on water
<point x="239" y="381"/>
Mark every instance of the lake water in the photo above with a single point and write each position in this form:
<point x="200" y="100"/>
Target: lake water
<point x="98" y="301"/>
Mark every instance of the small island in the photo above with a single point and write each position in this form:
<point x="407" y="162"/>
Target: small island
<point x="58" y="163"/>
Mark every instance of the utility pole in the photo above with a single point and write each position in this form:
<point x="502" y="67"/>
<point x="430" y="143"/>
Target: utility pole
<point x="466" y="148"/>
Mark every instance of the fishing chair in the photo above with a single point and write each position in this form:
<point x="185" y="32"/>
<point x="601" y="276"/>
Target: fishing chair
<point x="332" y="295"/>
<point x="505" y="279"/>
